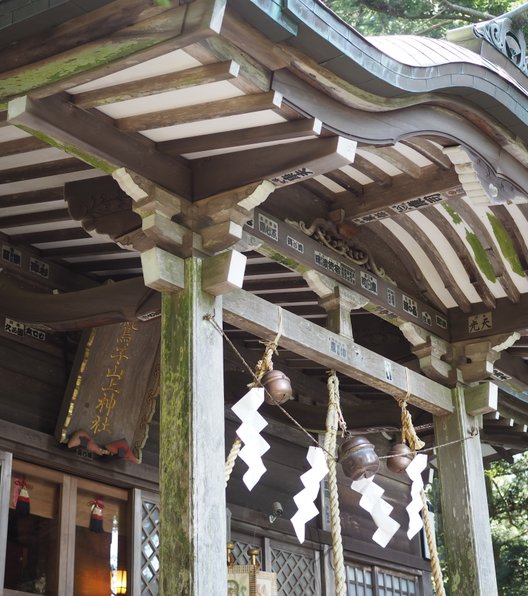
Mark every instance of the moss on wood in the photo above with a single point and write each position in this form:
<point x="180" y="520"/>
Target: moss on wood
<point x="505" y="243"/>
<point x="481" y="257"/>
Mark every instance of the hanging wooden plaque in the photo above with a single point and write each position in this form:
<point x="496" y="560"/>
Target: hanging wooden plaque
<point x="111" y="394"/>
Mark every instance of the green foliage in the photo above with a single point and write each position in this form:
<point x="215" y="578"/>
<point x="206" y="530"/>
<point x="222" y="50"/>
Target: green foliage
<point x="508" y="502"/>
<point x="418" y="17"/>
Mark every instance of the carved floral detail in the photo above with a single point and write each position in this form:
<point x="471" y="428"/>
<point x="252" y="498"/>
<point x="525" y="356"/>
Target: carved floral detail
<point x="326" y="233"/>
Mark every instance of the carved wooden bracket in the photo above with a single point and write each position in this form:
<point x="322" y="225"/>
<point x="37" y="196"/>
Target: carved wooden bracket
<point x="337" y="300"/>
<point x="475" y="359"/>
<point x="430" y="351"/>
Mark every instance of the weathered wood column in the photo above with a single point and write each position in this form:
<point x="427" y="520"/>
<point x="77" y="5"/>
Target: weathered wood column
<point x="192" y="548"/>
<point x="464" y="503"/>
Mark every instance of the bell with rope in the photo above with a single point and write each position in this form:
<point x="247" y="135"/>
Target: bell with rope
<point x="358" y="457"/>
<point x="399" y="457"/>
<point x="278" y="387"/>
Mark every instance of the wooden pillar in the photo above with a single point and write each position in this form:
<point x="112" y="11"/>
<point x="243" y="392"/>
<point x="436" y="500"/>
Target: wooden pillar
<point x="193" y="515"/>
<point x="464" y="504"/>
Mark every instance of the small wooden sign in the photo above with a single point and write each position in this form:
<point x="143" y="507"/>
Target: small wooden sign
<point x="112" y="390"/>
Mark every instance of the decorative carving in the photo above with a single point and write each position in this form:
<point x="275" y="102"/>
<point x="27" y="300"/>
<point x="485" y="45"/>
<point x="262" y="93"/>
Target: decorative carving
<point x="502" y="34"/>
<point x="327" y="233"/>
<point x="101" y="206"/>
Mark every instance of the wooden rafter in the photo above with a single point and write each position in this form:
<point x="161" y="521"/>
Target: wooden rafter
<point x="397" y="160"/>
<point x="398" y="247"/>
<point x="198" y="75"/>
<point x="93" y="140"/>
<point x="487" y="242"/>
<point x="234" y="106"/>
<point x="145" y="35"/>
<point x="33" y="197"/>
<point x="474" y="274"/>
<point x="28" y="219"/>
<point x="429" y="150"/>
<point x="21" y="146"/>
<point x="438" y="261"/>
<point x="41" y="170"/>
<point x="270" y="133"/>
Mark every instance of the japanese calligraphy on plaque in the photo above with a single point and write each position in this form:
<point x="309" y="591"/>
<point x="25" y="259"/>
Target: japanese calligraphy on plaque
<point x="113" y="387"/>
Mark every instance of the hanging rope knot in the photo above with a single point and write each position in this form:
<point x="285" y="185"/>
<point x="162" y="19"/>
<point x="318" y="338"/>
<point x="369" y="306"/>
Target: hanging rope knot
<point x="408" y="432"/>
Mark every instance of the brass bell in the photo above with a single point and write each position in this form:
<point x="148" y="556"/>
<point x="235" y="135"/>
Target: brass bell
<point x="400" y="456"/>
<point x="358" y="458"/>
<point x="278" y="387"/>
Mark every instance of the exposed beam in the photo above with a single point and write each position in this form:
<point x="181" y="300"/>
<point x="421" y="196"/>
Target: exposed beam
<point x="141" y="35"/>
<point x="255" y="315"/>
<point x="396" y="159"/>
<point x="28" y="219"/>
<point x="438" y="261"/>
<point x="41" y="170"/>
<point x="88" y="137"/>
<point x="271" y="133"/>
<point x="399" y="247"/>
<point x="430" y="151"/>
<point x="33" y="197"/>
<point x="21" y="146"/>
<point x="492" y="252"/>
<point x="191" y="77"/>
<point x="433" y="186"/>
<point x="68" y="252"/>
<point x="73" y="233"/>
<point x="299" y="252"/>
<point x="233" y="106"/>
<point x="281" y="164"/>
<point x="466" y="258"/>
<point x="372" y="171"/>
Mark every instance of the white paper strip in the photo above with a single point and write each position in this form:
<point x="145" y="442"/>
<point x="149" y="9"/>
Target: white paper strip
<point x="414" y="471"/>
<point x="249" y="433"/>
<point x="306" y="510"/>
<point x="379" y="509"/>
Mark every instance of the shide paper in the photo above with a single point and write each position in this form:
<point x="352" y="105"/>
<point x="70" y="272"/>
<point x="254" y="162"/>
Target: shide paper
<point x="255" y="446"/>
<point x="306" y="509"/>
<point x="414" y="471"/>
<point x="379" y="509"/>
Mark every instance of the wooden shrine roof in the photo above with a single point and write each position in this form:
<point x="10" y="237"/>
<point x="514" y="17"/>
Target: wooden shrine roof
<point x="416" y="150"/>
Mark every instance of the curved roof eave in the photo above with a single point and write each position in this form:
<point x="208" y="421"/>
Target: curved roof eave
<point x="370" y="64"/>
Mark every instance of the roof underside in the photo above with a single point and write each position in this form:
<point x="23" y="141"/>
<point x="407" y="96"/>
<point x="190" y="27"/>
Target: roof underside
<point x="432" y="198"/>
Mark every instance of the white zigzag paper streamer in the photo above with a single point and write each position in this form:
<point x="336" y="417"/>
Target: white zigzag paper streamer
<point x="414" y="471"/>
<point x="306" y="510"/>
<point x="249" y="433"/>
<point x="379" y="509"/>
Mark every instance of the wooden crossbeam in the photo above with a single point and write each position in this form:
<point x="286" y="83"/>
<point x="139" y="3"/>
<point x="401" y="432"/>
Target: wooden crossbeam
<point x="255" y="315"/>
<point x="281" y="164"/>
<point x="233" y="106"/>
<point x="82" y="134"/>
<point x="432" y="182"/>
<point x="198" y="75"/>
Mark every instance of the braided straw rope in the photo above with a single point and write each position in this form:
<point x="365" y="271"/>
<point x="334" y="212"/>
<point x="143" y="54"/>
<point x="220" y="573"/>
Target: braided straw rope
<point x="231" y="458"/>
<point x="435" y="561"/>
<point x="410" y="437"/>
<point x="330" y="448"/>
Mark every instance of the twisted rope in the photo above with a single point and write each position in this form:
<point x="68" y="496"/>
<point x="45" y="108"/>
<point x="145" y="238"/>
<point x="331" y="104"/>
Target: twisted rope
<point x="435" y="561"/>
<point x="231" y="458"/>
<point x="410" y="437"/>
<point x="408" y="432"/>
<point x="330" y="448"/>
<point x="264" y="365"/>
